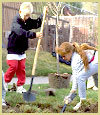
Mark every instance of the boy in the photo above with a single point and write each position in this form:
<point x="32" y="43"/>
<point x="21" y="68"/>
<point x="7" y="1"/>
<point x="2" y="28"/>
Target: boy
<point x="18" y="44"/>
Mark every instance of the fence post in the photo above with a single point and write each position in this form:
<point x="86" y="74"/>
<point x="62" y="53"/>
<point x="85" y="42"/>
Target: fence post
<point x="71" y="33"/>
<point x="46" y="35"/>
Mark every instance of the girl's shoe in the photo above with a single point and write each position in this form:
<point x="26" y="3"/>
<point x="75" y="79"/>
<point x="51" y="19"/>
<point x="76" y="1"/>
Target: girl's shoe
<point x="78" y="105"/>
<point x="82" y="103"/>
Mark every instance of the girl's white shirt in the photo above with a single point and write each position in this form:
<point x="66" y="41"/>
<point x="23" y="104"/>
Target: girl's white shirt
<point x="77" y="64"/>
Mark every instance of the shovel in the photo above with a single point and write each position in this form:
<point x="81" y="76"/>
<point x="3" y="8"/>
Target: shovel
<point x="29" y="96"/>
<point x="65" y="105"/>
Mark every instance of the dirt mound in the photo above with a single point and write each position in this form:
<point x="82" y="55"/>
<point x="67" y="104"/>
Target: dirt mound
<point x="10" y="109"/>
<point x="93" y="108"/>
<point x="20" y="108"/>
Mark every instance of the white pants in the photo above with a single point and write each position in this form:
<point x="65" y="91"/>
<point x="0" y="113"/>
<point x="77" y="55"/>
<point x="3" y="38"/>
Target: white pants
<point x="3" y="89"/>
<point x="92" y="81"/>
<point x="83" y="76"/>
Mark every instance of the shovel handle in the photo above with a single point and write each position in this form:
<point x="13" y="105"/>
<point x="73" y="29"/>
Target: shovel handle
<point x="31" y="84"/>
<point x="39" y="41"/>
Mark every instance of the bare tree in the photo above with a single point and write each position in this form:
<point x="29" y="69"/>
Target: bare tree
<point x="55" y="8"/>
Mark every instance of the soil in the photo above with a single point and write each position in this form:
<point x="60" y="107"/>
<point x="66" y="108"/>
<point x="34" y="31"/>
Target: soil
<point x="93" y="108"/>
<point x="59" y="80"/>
<point x="46" y="108"/>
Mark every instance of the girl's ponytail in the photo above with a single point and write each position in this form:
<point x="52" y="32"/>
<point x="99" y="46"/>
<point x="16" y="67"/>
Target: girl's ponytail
<point x="81" y="52"/>
<point x="85" y="46"/>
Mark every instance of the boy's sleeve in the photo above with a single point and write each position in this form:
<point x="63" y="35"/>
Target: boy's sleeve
<point x="16" y="27"/>
<point x="34" y="23"/>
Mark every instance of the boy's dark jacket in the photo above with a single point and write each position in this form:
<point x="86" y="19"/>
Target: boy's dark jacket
<point x="18" y="38"/>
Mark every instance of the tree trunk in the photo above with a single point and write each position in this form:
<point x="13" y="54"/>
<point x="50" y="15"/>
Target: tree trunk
<point x="57" y="56"/>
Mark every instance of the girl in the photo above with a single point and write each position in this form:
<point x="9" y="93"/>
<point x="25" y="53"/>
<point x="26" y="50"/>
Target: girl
<point x="84" y="63"/>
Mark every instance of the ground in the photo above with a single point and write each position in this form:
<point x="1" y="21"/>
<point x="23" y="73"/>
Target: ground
<point x="47" y="103"/>
<point x="93" y="108"/>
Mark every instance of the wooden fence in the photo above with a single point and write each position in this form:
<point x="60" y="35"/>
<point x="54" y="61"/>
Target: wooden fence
<point x="71" y="28"/>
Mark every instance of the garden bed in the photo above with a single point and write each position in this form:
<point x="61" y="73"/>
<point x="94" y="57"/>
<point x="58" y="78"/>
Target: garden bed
<point x="46" y="108"/>
<point x="48" y="104"/>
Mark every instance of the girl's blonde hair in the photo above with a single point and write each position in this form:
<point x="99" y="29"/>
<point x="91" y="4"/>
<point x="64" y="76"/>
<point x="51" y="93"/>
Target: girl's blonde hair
<point x="26" y="6"/>
<point x="67" y="47"/>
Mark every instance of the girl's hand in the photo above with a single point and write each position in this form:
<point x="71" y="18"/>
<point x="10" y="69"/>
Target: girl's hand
<point x="67" y="99"/>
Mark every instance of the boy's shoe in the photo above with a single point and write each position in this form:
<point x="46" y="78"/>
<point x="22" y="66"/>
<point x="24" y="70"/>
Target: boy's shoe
<point x="20" y="89"/>
<point x="95" y="88"/>
<point x="6" y="86"/>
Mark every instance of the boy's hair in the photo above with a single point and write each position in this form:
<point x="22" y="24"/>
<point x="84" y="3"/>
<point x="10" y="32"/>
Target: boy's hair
<point x="66" y="47"/>
<point x="26" y="6"/>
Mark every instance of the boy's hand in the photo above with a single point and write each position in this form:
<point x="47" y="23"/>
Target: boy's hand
<point x="39" y="35"/>
<point x="46" y="8"/>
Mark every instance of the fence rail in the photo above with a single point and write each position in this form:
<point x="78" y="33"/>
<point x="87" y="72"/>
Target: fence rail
<point x="79" y="29"/>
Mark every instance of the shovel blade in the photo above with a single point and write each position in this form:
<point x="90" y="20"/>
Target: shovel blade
<point x="28" y="96"/>
<point x="63" y="109"/>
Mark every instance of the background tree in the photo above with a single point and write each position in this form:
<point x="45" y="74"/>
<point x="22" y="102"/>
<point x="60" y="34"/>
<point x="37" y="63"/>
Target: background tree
<point x="55" y="8"/>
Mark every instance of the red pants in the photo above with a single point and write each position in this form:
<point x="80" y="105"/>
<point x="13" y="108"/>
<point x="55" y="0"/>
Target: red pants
<point x="18" y="67"/>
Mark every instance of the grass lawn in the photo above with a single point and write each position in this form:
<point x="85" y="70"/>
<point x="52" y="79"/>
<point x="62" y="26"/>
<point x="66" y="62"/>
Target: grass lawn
<point x="43" y="103"/>
<point x="46" y="63"/>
